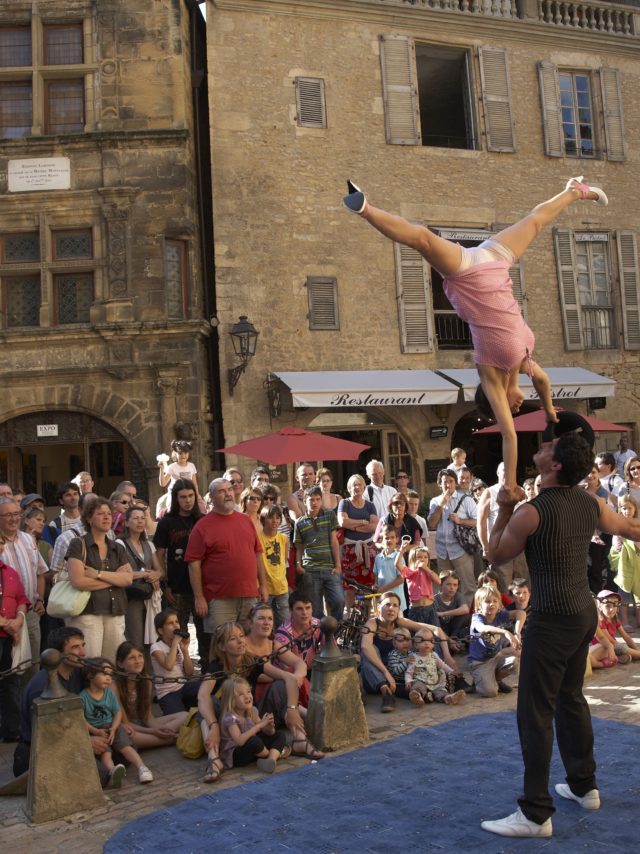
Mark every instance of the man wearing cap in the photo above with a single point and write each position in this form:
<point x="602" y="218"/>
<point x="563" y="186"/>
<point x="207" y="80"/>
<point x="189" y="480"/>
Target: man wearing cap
<point x="555" y="529"/>
<point x="32" y="499"/>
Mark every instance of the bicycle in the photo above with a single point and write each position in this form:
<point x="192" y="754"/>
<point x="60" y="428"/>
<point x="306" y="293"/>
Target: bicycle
<point x="348" y="636"/>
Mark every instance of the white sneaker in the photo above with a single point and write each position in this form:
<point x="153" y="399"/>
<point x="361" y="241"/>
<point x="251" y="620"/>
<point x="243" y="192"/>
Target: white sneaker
<point x="517" y="824"/>
<point x="117" y="775"/>
<point x="145" y="775"/>
<point x="590" y="801"/>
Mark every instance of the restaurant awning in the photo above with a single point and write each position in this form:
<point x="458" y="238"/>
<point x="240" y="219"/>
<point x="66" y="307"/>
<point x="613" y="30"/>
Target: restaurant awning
<point x="344" y="389"/>
<point x="566" y="383"/>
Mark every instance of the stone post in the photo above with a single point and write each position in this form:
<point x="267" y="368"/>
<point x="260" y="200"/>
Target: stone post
<point x="63" y="777"/>
<point x="336" y="717"/>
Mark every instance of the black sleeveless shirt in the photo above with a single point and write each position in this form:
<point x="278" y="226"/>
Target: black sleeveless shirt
<point x="557" y="552"/>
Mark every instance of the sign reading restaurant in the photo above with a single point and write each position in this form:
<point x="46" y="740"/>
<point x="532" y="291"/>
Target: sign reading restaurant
<point x="387" y="399"/>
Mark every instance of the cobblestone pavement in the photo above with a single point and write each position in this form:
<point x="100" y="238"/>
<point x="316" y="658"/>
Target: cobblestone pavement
<point x="613" y="693"/>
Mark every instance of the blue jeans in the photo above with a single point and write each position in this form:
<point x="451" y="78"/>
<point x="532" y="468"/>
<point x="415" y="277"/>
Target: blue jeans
<point x="319" y="583"/>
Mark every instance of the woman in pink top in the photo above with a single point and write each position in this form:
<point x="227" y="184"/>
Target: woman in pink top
<point x="477" y="283"/>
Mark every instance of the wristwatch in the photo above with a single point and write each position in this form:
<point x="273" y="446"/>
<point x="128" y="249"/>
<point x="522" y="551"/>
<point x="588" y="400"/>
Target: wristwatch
<point x="295" y="708"/>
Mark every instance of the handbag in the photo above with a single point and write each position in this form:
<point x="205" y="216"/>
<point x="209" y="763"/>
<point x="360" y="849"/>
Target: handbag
<point x="467" y="537"/>
<point x="65" y="600"/>
<point x="190" y="741"/>
<point x="139" y="589"/>
<point x="21" y="652"/>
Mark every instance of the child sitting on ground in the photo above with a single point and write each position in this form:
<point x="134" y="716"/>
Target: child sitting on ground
<point x="494" y="649"/>
<point x="426" y="675"/>
<point x="399" y="658"/>
<point x="420" y="579"/>
<point x="245" y="737"/>
<point x="607" y="650"/>
<point x="452" y="610"/>
<point x="170" y="658"/>
<point x="102" y="713"/>
<point x="521" y="592"/>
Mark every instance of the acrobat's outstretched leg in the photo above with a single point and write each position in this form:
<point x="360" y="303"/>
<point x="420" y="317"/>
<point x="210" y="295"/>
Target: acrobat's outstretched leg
<point x="442" y="254"/>
<point x="518" y="236"/>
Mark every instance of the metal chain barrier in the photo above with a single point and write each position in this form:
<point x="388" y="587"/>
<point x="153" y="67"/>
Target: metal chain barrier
<point x="363" y="629"/>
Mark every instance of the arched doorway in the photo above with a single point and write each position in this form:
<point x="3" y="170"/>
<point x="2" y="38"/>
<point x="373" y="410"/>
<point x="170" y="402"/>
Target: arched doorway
<point x="41" y="450"/>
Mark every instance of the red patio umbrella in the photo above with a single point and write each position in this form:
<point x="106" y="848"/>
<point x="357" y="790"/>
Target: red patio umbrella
<point x="292" y="445"/>
<point x="535" y="422"/>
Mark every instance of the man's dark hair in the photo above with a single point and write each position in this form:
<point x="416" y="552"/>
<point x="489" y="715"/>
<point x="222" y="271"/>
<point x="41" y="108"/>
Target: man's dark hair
<point x="66" y="487"/>
<point x="259" y="470"/>
<point x="313" y="490"/>
<point x="482" y="402"/>
<point x="575" y="455"/>
<point x="299" y="596"/>
<point x="57" y="638"/>
<point x="519" y="582"/>
<point x="446" y="473"/>
<point x="270" y="512"/>
<point x="180" y="484"/>
<point x="608" y="459"/>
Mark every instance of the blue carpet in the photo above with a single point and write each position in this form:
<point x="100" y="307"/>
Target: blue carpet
<point x="426" y="791"/>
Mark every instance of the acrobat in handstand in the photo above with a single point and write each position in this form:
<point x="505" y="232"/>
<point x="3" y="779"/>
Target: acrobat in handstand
<point x="478" y="286"/>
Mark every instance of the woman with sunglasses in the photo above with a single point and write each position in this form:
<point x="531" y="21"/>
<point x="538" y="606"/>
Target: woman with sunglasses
<point x="251" y="502"/>
<point x="632" y="479"/>
<point x="407" y="528"/>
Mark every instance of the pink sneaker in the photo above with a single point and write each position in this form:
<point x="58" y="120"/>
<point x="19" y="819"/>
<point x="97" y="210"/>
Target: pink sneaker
<point x="584" y="189"/>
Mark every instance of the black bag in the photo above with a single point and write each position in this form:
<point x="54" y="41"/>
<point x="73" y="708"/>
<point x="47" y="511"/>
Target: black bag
<point x="140" y="589"/>
<point x="466" y="536"/>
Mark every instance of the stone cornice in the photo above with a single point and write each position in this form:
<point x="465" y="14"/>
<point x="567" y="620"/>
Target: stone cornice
<point x="92" y="140"/>
<point x="453" y="24"/>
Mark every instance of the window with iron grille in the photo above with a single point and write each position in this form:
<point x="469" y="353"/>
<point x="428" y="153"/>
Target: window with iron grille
<point x="72" y="244"/>
<point x="175" y="274"/>
<point x="19" y="248"/>
<point x="74" y="297"/>
<point x="15" y="47"/>
<point x="42" y="86"/>
<point x="310" y="103"/>
<point x="322" y="294"/>
<point x="63" y="44"/>
<point x="22" y="300"/>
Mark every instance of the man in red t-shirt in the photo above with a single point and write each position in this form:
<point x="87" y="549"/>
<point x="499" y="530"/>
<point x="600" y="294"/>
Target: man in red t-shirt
<point x="226" y="567"/>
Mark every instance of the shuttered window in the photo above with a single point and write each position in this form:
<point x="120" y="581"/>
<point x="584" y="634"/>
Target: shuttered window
<point x="310" y="102"/>
<point x="496" y="99"/>
<point x="428" y="95"/>
<point x="565" y="110"/>
<point x="322" y="294"/>
<point x="629" y="287"/>
<point x="569" y="300"/>
<point x="414" y="301"/>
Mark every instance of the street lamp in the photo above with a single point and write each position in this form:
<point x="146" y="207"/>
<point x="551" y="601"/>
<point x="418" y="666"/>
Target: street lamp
<point x="244" y="337"/>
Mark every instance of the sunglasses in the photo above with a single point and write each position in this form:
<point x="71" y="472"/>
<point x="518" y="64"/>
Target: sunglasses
<point x="612" y="602"/>
<point x="634" y="468"/>
<point x="236" y="482"/>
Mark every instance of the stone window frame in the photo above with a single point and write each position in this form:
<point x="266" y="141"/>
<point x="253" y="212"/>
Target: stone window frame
<point x="39" y="75"/>
<point x="46" y="225"/>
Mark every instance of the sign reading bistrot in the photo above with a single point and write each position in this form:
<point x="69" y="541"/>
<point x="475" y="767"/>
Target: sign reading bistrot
<point x="46" y="173"/>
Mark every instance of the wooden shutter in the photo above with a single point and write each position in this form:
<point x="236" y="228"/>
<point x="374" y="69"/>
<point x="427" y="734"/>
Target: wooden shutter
<point x="400" y="90"/>
<point x="310" y="103"/>
<point x="551" y="115"/>
<point x="629" y="288"/>
<point x="613" y="121"/>
<point x="517" y="277"/>
<point x="569" y="297"/>
<point x="322" y="294"/>
<point x="496" y="99"/>
<point x="414" y="301"/>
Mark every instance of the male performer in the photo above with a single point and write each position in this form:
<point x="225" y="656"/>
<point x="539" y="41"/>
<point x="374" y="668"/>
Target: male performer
<point x="554" y="529"/>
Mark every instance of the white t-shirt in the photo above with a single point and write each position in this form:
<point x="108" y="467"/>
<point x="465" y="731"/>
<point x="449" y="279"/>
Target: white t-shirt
<point x="163" y="688"/>
<point x="178" y="472"/>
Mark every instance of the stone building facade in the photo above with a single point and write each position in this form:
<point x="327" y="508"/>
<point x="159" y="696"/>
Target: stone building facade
<point x="105" y="350"/>
<point x="461" y="116"/>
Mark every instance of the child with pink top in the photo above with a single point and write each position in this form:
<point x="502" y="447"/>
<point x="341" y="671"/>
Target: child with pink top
<point x="420" y="578"/>
<point x="477" y="283"/>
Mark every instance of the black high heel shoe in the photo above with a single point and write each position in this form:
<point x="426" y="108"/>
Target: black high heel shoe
<point x="355" y="201"/>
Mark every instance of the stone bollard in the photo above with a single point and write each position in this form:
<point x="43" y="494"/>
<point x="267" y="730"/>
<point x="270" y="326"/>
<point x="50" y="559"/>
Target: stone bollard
<point x="63" y="777"/>
<point x="336" y="717"/>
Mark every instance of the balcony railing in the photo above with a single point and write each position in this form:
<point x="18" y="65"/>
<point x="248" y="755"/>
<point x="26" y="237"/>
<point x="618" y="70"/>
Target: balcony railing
<point x="598" y="328"/>
<point x="451" y="332"/>
<point x="618" y="20"/>
<point x="603" y="18"/>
